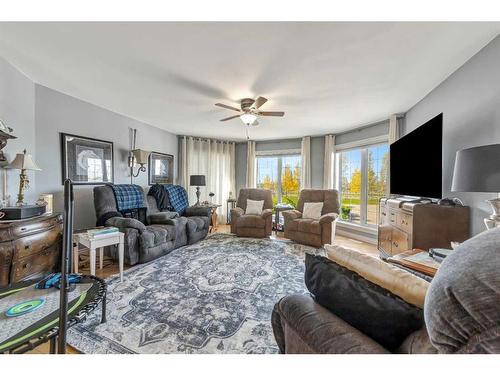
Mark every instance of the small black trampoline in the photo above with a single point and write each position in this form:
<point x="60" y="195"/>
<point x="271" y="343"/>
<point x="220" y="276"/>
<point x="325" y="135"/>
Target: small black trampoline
<point x="23" y="332"/>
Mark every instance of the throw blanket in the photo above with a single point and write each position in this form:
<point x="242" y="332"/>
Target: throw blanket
<point x="161" y="197"/>
<point x="128" y="197"/>
<point x="178" y="197"/>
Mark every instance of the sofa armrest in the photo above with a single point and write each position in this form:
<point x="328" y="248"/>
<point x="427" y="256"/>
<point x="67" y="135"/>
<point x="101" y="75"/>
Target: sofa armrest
<point x="197" y="211"/>
<point x="328" y="218"/>
<point x="164" y="217"/>
<point x="266" y="213"/>
<point x="126" y="222"/>
<point x="301" y="325"/>
<point x="237" y="212"/>
<point x="292" y="214"/>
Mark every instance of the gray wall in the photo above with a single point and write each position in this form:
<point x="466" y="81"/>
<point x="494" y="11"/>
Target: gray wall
<point x="17" y="110"/>
<point x="240" y="162"/>
<point x="56" y="113"/>
<point x="470" y="102"/>
<point x="317" y="150"/>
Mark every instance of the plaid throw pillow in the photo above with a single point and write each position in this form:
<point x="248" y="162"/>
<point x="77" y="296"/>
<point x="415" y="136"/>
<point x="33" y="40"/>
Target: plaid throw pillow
<point x="128" y="197"/>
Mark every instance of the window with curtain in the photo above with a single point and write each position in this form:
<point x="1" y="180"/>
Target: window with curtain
<point x="280" y="174"/>
<point x="363" y="181"/>
<point x="214" y="159"/>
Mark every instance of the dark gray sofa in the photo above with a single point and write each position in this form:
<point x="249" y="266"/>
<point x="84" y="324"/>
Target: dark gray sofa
<point x="462" y="311"/>
<point x="159" y="233"/>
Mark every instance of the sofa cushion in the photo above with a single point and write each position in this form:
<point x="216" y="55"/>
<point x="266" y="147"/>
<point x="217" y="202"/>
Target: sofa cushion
<point x="409" y="287"/>
<point x="252" y="221"/>
<point x="162" y="217"/>
<point x="301" y="325"/>
<point x="197" y="223"/>
<point x="155" y="235"/>
<point x="371" y="309"/>
<point x="308" y="226"/>
<point x="462" y="307"/>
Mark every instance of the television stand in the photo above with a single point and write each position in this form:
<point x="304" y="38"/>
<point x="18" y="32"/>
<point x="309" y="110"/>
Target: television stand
<point x="410" y="224"/>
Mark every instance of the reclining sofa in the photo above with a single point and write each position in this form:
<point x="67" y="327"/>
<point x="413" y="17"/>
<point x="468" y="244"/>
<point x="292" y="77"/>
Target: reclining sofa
<point x="461" y="311"/>
<point x="149" y="232"/>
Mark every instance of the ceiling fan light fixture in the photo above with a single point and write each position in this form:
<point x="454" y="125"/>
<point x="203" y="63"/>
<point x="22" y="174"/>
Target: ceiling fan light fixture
<point x="248" y="118"/>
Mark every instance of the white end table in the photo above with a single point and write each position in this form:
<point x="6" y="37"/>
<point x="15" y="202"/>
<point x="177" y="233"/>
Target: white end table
<point x="98" y="243"/>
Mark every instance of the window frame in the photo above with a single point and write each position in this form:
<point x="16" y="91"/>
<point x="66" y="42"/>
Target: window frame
<point x="363" y="146"/>
<point x="279" y="154"/>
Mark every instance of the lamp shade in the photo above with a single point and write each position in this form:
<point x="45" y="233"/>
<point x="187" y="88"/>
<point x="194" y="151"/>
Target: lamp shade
<point x="477" y="169"/>
<point x="197" y="180"/>
<point x="141" y="156"/>
<point x="24" y="161"/>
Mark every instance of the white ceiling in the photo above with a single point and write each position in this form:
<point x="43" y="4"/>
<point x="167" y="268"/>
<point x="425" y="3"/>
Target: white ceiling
<point x="327" y="77"/>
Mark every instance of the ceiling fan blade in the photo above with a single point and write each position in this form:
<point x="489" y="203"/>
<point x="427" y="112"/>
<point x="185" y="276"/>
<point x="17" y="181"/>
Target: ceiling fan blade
<point x="259" y="102"/>
<point x="280" y="114"/>
<point x="227" y="107"/>
<point x="230" y="118"/>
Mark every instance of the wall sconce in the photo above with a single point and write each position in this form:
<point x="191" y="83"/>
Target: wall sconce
<point x="140" y="157"/>
<point x="136" y="156"/>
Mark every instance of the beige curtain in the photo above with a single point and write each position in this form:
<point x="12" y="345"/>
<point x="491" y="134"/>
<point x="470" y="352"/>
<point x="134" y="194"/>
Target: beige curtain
<point x="214" y="159"/>
<point x="182" y="174"/>
<point x="305" y="175"/>
<point x="393" y="129"/>
<point x="394" y="126"/>
<point x="329" y="163"/>
<point x="251" y="182"/>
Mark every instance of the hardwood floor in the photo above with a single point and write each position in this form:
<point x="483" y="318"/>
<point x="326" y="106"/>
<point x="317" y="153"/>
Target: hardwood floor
<point x="111" y="268"/>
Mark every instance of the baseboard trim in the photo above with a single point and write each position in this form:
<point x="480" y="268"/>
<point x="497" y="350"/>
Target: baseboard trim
<point x="356" y="236"/>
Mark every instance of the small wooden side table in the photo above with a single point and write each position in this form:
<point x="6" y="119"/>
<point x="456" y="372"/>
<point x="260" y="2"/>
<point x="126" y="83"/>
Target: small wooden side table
<point x="277" y="209"/>
<point x="213" y="216"/>
<point x="98" y="243"/>
<point x="230" y="204"/>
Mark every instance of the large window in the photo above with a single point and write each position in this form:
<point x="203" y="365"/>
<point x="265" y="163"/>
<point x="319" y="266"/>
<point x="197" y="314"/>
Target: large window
<point x="281" y="174"/>
<point x="362" y="182"/>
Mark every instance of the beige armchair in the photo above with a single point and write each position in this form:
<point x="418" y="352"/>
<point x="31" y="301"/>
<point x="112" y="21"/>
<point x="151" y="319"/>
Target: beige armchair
<point x="309" y="231"/>
<point x="252" y="225"/>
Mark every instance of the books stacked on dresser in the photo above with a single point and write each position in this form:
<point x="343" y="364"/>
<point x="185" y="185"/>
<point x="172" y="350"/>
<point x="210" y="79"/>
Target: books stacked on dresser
<point x="101" y="232"/>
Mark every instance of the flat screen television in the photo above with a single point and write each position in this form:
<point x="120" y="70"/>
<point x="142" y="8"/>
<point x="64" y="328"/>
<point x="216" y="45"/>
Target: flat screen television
<point x="416" y="161"/>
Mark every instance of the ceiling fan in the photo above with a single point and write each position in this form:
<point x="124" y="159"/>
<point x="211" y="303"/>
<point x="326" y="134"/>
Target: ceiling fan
<point x="249" y="110"/>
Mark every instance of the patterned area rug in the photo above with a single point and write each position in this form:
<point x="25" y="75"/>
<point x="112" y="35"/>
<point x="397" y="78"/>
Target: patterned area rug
<point x="212" y="297"/>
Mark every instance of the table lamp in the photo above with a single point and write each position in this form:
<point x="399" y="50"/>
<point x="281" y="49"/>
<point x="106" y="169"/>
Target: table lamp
<point x="477" y="169"/>
<point x="197" y="180"/>
<point x="24" y="162"/>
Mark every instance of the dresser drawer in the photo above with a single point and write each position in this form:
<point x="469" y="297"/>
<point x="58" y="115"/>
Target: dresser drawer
<point x="44" y="262"/>
<point x="37" y="225"/>
<point x="384" y="214"/>
<point x="399" y="241"/>
<point x="35" y="243"/>
<point x="404" y="221"/>
<point x="392" y="217"/>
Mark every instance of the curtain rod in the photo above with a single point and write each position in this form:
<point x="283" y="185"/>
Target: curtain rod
<point x="399" y="116"/>
<point x="205" y="139"/>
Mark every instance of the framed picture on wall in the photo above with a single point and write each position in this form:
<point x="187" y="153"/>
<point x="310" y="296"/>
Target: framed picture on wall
<point x="161" y="168"/>
<point x="86" y="161"/>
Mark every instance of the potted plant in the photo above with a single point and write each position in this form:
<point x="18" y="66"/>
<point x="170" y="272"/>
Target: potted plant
<point x="345" y="212"/>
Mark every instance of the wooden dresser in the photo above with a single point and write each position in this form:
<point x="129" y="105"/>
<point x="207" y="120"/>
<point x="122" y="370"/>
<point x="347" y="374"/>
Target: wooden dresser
<point x="29" y="248"/>
<point x="409" y="225"/>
